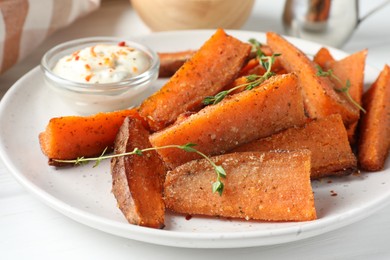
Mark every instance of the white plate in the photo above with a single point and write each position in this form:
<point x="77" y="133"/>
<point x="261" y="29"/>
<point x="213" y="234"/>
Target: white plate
<point x="84" y="193"/>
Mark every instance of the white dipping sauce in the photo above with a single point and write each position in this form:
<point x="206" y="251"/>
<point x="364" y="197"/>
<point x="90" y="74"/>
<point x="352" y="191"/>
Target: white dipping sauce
<point x="102" y="64"/>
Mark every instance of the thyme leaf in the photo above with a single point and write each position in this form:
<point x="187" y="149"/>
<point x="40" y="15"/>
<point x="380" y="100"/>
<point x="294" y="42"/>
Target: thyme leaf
<point x="217" y="186"/>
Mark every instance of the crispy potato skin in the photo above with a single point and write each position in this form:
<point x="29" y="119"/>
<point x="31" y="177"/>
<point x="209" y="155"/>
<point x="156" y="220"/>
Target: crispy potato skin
<point x="273" y="106"/>
<point x="327" y="140"/>
<point x="137" y="181"/>
<point x="374" y="142"/>
<point x="319" y="95"/>
<point x="271" y="186"/>
<point x="210" y="69"/>
<point x="70" y="137"/>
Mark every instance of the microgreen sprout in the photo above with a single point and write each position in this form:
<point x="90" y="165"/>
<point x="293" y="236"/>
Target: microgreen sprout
<point x="344" y="89"/>
<point x="252" y="80"/>
<point x="217" y="186"/>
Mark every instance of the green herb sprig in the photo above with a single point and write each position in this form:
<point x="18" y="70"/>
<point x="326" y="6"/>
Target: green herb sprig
<point x="256" y="45"/>
<point x="344" y="89"/>
<point x="217" y="186"/>
<point x="252" y="80"/>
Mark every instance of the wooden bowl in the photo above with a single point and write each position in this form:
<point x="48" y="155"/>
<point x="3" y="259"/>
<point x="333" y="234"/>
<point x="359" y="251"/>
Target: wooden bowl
<point x="163" y="15"/>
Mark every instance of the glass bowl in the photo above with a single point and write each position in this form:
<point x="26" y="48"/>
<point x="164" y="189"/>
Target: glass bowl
<point x="91" y="98"/>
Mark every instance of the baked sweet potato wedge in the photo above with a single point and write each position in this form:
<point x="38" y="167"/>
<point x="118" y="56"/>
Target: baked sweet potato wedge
<point x="270" y="186"/>
<point x="374" y="142"/>
<point x="250" y="66"/>
<point x="210" y="69"/>
<point x="137" y="181"/>
<point x="323" y="58"/>
<point x="326" y="138"/>
<point x="254" y="67"/>
<point x="70" y="137"/>
<point x="273" y="106"/>
<point x="351" y="68"/>
<point x="319" y="94"/>
<point x="170" y="62"/>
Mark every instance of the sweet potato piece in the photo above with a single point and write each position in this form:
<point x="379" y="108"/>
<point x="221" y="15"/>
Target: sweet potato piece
<point x="374" y="142"/>
<point x="320" y="98"/>
<point x="273" y="106"/>
<point x="323" y="58"/>
<point x="70" y="137"/>
<point x="170" y="62"/>
<point x="211" y="68"/>
<point x="256" y="70"/>
<point x="351" y="68"/>
<point x="249" y="66"/>
<point x="137" y="181"/>
<point x="327" y="140"/>
<point x="253" y="66"/>
<point x="272" y="186"/>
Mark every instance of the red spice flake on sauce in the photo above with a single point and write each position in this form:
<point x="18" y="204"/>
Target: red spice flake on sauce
<point x="188" y="217"/>
<point x="122" y="44"/>
<point x="75" y="54"/>
<point x="88" y="78"/>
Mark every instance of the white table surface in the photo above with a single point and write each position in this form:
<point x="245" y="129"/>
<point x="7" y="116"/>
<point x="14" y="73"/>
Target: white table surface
<point x="31" y="230"/>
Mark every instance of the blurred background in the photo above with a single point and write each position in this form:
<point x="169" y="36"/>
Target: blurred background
<point x="138" y="17"/>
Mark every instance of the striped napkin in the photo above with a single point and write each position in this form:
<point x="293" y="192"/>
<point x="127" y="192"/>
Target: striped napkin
<point x="24" y="24"/>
